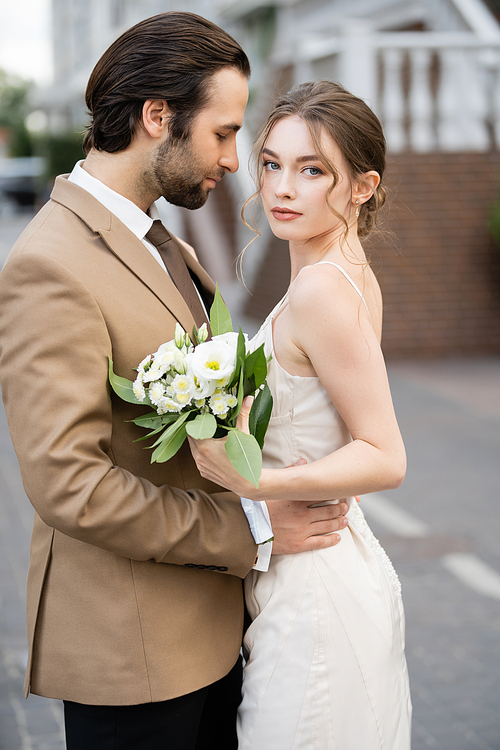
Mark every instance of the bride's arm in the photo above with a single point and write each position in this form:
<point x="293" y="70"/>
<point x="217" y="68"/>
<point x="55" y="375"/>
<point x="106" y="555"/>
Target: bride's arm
<point x="333" y="332"/>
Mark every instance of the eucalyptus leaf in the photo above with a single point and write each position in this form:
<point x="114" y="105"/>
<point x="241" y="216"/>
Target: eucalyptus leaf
<point x="245" y="455"/>
<point x="202" y="427"/>
<point x="260" y="414"/>
<point x="169" y="447"/>
<point x="220" y="318"/>
<point x="124" y="388"/>
<point x="149" y="434"/>
<point x="149" y="421"/>
<point x="172" y="428"/>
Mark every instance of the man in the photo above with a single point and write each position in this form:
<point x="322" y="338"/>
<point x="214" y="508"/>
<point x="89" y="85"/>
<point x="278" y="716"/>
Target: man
<point x="135" y="609"/>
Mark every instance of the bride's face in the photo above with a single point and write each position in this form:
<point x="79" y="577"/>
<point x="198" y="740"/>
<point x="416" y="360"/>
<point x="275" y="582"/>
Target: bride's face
<point x="295" y="183"/>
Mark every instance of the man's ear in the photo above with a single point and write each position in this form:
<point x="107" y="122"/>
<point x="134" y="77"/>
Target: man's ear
<point x="364" y="186"/>
<point x="155" y="116"/>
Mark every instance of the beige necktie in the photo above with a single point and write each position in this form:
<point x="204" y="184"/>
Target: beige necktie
<point x="178" y="271"/>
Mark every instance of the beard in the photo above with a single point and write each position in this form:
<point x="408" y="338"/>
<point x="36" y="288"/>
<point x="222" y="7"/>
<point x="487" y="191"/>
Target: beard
<point x="179" y="174"/>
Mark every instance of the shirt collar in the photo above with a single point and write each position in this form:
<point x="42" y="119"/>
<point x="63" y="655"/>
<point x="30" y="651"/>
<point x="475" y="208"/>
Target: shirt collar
<point x="124" y="209"/>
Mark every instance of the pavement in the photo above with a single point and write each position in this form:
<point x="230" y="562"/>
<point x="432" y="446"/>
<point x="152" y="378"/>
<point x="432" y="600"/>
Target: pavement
<point x="440" y="528"/>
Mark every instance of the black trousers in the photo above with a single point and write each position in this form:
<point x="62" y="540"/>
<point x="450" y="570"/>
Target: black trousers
<point x="203" y="720"/>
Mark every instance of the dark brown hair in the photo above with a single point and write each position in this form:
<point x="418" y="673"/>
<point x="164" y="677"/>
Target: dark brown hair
<point x="324" y="105"/>
<point x="171" y="56"/>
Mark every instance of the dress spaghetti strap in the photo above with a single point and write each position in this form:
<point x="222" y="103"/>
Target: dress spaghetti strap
<point x="342" y="271"/>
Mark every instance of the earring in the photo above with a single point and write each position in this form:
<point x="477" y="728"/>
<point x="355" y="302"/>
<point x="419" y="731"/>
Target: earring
<point x="357" y="209"/>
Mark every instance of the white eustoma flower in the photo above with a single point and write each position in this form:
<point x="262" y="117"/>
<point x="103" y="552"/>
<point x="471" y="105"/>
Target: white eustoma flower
<point x="203" y="333"/>
<point x="179" y="336"/>
<point x="202" y="388"/>
<point x="164" y="360"/>
<point x="179" y="362"/>
<point x="169" y="346"/>
<point x="212" y="361"/>
<point x="230" y="338"/>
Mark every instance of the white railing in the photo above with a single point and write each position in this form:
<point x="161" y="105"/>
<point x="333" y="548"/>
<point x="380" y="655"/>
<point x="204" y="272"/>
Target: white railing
<point x="432" y="90"/>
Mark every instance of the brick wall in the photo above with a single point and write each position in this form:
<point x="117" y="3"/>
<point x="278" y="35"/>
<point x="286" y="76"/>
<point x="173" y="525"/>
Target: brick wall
<point x="439" y="270"/>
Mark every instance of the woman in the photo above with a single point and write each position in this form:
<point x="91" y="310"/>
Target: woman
<point x="325" y="662"/>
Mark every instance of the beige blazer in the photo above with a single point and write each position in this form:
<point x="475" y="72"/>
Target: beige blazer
<point x="135" y="581"/>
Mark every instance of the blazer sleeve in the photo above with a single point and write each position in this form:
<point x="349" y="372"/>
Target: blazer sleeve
<point x="54" y="345"/>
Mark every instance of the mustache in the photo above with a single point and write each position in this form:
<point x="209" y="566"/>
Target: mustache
<point x="220" y="173"/>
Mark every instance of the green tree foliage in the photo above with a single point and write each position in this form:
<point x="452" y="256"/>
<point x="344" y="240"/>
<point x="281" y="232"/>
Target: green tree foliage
<point x="61" y="152"/>
<point x="14" y="107"/>
<point x="494" y="223"/>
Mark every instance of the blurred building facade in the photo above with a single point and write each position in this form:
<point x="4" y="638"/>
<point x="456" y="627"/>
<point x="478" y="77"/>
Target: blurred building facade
<point x="431" y="72"/>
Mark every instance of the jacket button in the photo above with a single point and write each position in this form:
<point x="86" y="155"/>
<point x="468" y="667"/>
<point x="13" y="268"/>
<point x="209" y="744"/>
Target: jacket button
<point x="190" y="565"/>
<point x="211" y="567"/>
<point x="201" y="567"/>
<point x="222" y="568"/>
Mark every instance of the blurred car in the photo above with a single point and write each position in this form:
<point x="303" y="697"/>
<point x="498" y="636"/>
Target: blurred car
<point x="20" y="179"/>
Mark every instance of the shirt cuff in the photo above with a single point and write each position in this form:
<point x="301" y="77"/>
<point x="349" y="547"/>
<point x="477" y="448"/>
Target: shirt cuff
<point x="258" y="518"/>
<point x="260" y="525"/>
<point x="264" y="552"/>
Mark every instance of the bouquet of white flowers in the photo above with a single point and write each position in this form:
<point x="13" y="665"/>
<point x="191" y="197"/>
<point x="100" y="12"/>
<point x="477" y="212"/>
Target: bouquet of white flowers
<point x="197" y="390"/>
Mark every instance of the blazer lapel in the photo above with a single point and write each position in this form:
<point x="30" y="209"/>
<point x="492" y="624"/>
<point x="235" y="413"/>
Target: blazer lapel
<point x="130" y="250"/>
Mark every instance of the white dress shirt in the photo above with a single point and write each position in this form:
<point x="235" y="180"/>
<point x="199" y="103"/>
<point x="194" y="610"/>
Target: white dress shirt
<point x="139" y="224"/>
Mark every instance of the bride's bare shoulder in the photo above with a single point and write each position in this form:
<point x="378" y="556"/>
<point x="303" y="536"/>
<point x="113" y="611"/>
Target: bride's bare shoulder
<point x="318" y="285"/>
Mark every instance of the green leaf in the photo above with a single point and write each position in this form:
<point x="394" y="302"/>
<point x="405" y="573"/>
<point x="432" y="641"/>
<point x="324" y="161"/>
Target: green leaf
<point x="149" y="421"/>
<point x="260" y="414"/>
<point x="149" y="434"/>
<point x="245" y="455"/>
<point x="123" y="387"/>
<point x="220" y="319"/>
<point x="202" y="427"/>
<point x="240" y="395"/>
<point x="169" y="447"/>
<point x="240" y="346"/>
<point x="181" y="418"/>
<point x="256" y="365"/>
<point x="240" y="358"/>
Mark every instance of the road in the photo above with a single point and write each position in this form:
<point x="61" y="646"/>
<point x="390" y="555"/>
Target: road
<point x="441" y="529"/>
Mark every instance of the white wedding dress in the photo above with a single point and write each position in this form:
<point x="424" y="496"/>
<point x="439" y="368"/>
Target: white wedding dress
<point x="325" y="666"/>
